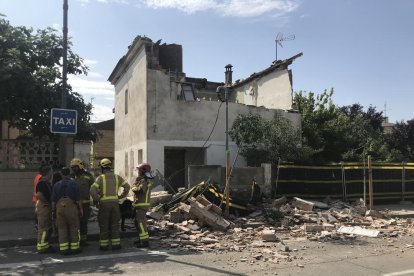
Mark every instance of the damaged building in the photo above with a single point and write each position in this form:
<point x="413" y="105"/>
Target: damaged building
<point x="171" y="121"/>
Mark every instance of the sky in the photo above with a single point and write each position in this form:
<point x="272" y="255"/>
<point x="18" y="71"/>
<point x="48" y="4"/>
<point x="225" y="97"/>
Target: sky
<point x="363" y="49"/>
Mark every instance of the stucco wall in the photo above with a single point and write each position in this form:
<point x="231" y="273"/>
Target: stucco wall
<point x="271" y="91"/>
<point x="178" y="123"/>
<point x="83" y="152"/>
<point x="16" y="189"/>
<point x="131" y="128"/>
<point x="156" y="119"/>
<point x="192" y="121"/>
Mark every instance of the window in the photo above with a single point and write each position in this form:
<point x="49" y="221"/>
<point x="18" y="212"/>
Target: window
<point x="131" y="164"/>
<point x="140" y="156"/>
<point x="126" y="101"/>
<point x="187" y="92"/>
<point x="126" y="164"/>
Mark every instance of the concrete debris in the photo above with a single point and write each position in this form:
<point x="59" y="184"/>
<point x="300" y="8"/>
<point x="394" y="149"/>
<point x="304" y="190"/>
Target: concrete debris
<point x="279" y="201"/>
<point x="157" y="215"/>
<point x="357" y="230"/>
<point x="160" y="197"/>
<point x="269" y="235"/>
<point x="302" y="204"/>
<point x="204" y="211"/>
<point x="374" y="214"/>
<point x="197" y="225"/>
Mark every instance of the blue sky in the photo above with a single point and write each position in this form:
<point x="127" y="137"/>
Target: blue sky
<point x="364" y="49"/>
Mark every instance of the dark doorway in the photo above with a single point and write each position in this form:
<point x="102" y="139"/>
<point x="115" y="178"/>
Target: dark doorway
<point x="174" y="168"/>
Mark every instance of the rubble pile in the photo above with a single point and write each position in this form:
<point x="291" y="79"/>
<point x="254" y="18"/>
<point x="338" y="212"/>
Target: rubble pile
<point x="199" y="225"/>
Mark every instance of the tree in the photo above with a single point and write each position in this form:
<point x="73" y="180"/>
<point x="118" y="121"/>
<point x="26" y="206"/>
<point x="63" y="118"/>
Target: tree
<point x="340" y="133"/>
<point x="402" y="139"/>
<point x="373" y="117"/>
<point x="31" y="82"/>
<point x="264" y="141"/>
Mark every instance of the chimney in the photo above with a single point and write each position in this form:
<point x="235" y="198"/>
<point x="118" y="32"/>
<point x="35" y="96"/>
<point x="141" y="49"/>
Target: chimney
<point x="228" y="75"/>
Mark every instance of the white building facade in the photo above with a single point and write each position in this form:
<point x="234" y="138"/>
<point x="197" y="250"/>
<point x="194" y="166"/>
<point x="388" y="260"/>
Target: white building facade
<point x="171" y="121"/>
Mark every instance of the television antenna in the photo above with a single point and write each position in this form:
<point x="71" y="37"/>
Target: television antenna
<point x="280" y="38"/>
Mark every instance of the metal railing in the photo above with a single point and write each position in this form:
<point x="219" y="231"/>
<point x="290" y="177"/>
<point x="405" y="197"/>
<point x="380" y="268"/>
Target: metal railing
<point x="346" y="180"/>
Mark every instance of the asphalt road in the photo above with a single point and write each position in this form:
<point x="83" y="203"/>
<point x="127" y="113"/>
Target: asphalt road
<point x="362" y="256"/>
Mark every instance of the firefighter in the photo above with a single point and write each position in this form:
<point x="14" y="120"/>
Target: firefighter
<point x="142" y="193"/>
<point x="85" y="181"/>
<point x="104" y="192"/>
<point x="67" y="208"/>
<point x="44" y="210"/>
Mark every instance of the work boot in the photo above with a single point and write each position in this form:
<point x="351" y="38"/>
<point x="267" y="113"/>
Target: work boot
<point x="142" y="244"/>
<point x="64" y="252"/>
<point x="47" y="250"/>
<point x="76" y="251"/>
<point x="103" y="248"/>
<point x="116" y="247"/>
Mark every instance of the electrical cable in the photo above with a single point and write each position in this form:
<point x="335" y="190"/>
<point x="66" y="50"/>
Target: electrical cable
<point x="202" y="147"/>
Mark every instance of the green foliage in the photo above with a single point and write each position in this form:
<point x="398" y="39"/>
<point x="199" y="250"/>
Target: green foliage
<point x="30" y="80"/>
<point x="341" y="133"/>
<point x="329" y="134"/>
<point x="264" y="141"/>
<point x="402" y="139"/>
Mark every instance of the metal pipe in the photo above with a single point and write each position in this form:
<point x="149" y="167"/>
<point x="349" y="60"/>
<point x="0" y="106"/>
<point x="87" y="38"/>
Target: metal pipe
<point x="365" y="184"/>
<point x="370" y="184"/>
<point x="277" y="177"/>
<point x="403" y="181"/>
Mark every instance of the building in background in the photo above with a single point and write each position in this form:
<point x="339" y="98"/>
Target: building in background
<point x="104" y="146"/>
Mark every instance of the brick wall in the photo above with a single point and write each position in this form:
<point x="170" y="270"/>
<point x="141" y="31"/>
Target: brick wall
<point x="104" y="147"/>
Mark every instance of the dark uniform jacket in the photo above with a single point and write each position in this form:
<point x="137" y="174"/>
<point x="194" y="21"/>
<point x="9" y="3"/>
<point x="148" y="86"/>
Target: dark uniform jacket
<point x="84" y="181"/>
<point x="65" y="188"/>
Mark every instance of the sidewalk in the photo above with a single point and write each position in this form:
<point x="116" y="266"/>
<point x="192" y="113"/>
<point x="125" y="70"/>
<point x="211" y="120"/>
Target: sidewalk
<point x="397" y="210"/>
<point x="22" y="232"/>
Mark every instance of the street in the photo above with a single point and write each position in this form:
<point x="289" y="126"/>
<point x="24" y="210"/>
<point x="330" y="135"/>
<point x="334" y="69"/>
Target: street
<point x="362" y="256"/>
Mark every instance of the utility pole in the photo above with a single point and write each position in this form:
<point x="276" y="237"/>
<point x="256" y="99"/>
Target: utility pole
<point x="220" y="90"/>
<point x="62" y="140"/>
<point x="228" y="80"/>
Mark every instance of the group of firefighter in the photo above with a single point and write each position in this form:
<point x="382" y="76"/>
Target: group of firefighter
<point x="67" y="204"/>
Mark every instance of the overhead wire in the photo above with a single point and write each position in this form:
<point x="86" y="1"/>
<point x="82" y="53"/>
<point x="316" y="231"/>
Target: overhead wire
<point x="202" y="147"/>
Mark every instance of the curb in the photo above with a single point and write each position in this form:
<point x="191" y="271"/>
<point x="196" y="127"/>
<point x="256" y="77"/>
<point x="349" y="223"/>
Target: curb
<point x="53" y="240"/>
<point x="406" y="216"/>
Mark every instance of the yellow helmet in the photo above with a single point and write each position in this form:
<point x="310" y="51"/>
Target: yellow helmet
<point x="76" y="162"/>
<point x="105" y="163"/>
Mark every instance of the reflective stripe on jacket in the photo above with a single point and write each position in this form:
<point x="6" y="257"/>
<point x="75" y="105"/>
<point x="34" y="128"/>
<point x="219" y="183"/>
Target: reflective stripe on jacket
<point x="106" y="187"/>
<point x="142" y="192"/>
